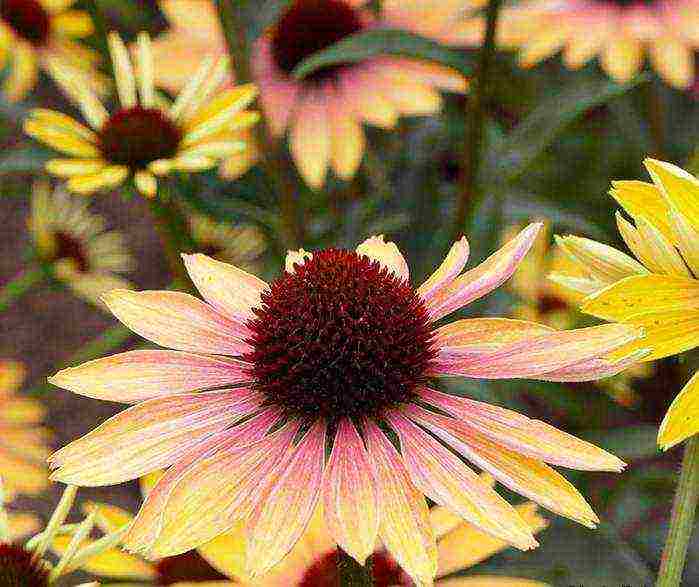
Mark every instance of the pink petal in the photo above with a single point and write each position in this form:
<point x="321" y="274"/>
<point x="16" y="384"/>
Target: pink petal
<point x="595" y="369"/>
<point x="349" y="496"/>
<point x="149" y="436"/>
<point x="309" y="138"/>
<point x="533" y="438"/>
<point x="178" y="321"/>
<point x="489" y="275"/>
<point x="453" y="264"/>
<point x="229" y="290"/>
<point x="135" y="376"/>
<point x="404" y="525"/>
<point x="148" y="522"/>
<point x="445" y="479"/>
<point x="218" y="490"/>
<point x="483" y="334"/>
<point x="291" y="494"/>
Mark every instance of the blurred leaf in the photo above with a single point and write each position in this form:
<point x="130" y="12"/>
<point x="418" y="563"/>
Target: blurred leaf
<point x="511" y="157"/>
<point x="628" y="442"/>
<point x="365" y="45"/>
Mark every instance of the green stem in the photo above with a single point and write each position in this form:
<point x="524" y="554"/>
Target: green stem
<point x="655" y="118"/>
<point x="475" y="118"/>
<point x="101" y="31"/>
<point x="230" y="15"/>
<point x="351" y="573"/>
<point x="20" y="285"/>
<point x="682" y="520"/>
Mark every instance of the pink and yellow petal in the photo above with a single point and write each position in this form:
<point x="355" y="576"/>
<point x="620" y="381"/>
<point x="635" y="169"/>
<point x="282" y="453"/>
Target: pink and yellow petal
<point x="453" y="264"/>
<point x="386" y="254"/>
<point x="309" y="139"/>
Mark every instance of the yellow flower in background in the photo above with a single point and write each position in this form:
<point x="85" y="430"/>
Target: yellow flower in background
<point x="144" y="137"/>
<point x="24" y="441"/>
<point x="75" y="243"/>
<point x="312" y="561"/>
<point x="325" y="112"/>
<point x="548" y="302"/>
<point x="658" y="292"/>
<point x="43" y="33"/>
<point x="620" y="32"/>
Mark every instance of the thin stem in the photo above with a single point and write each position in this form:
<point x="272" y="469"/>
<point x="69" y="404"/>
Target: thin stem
<point x="20" y="285"/>
<point x="230" y="15"/>
<point x="655" y="118"/>
<point x="351" y="573"/>
<point x="682" y="520"/>
<point x="100" y="25"/>
<point x="475" y="119"/>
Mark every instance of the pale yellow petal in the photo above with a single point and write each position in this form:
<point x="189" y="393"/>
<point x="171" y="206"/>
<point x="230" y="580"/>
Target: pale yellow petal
<point x="386" y="254"/>
<point x="680" y="188"/>
<point x="674" y="61"/>
<point x="61" y="140"/>
<point x="111" y="176"/>
<point x="123" y="71"/>
<point x="146" y="183"/>
<point x="622" y="58"/>
<point x="71" y="167"/>
<point x="639" y="198"/>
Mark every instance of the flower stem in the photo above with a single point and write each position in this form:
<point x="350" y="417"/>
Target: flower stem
<point x="20" y="285"/>
<point x="682" y="520"/>
<point x="100" y="25"/>
<point x="475" y="118"/>
<point x="271" y="158"/>
<point x="351" y="573"/>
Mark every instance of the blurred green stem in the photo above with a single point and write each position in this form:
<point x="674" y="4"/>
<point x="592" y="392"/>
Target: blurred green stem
<point x="230" y="15"/>
<point x="20" y="285"/>
<point x="100" y="25"/>
<point x="682" y="520"/>
<point x="475" y="119"/>
<point x="655" y="118"/>
<point x="351" y="573"/>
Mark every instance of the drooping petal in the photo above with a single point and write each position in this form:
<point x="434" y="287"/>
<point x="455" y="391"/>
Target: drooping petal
<point x="386" y="254"/>
<point x="135" y="376"/>
<point x="481" y="280"/>
<point x="533" y="438"/>
<point x="218" y="490"/>
<point x="177" y="320"/>
<point x="149" y="436"/>
<point x="309" y="139"/>
<point x="148" y="522"/>
<point x="521" y="474"/>
<point x="445" y="479"/>
<point x="349" y="495"/>
<point x="453" y="264"/>
<point x="682" y="419"/>
<point x="404" y="525"/>
<point x="292" y="491"/>
<point x="231" y="291"/>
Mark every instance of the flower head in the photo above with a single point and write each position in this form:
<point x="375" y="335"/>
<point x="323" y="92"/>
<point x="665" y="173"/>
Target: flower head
<point x="658" y="290"/>
<point x="324" y="112"/>
<point x="44" y="33"/>
<point x="620" y="32"/>
<point x="144" y="137"/>
<point x="75" y="244"/>
<point x="340" y="350"/>
<point x="23" y="440"/>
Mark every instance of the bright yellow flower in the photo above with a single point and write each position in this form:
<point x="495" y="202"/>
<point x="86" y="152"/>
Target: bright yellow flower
<point x="145" y="137"/>
<point x="76" y="245"/>
<point x="312" y="561"/>
<point x="23" y="440"/>
<point x="42" y="33"/>
<point x="620" y="32"/>
<point x="660" y="291"/>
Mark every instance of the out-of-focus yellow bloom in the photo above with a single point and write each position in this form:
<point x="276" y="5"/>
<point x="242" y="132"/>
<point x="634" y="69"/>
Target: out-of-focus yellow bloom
<point x="145" y="137"/>
<point x="76" y="245"/>
<point x="548" y="302"/>
<point x="23" y="440"/>
<point x="660" y="291"/>
<point x="43" y="33"/>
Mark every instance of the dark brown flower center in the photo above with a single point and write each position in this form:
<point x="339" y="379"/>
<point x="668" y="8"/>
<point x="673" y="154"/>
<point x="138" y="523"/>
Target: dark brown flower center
<point x="385" y="572"/>
<point x="28" y="19"/>
<point x="187" y="567"/>
<point x="69" y="247"/>
<point x="341" y="336"/>
<point x="138" y="136"/>
<point x="309" y="26"/>
<point x="19" y="569"/>
<point x="627" y="3"/>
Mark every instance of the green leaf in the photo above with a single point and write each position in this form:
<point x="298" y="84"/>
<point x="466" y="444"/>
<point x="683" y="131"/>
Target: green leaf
<point x="510" y="158"/>
<point x="367" y="44"/>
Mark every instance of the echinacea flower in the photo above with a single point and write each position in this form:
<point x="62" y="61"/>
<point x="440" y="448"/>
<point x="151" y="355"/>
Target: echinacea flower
<point x="43" y="33"/>
<point x="76" y="245"/>
<point x="658" y="291"/>
<point x="144" y="137"/>
<point x="24" y="442"/>
<point x="339" y="349"/>
<point x="621" y="32"/>
<point x="313" y="561"/>
<point x="548" y="302"/>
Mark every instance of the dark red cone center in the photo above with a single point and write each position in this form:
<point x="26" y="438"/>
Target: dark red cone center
<point x="187" y="567"/>
<point x="385" y="572"/>
<point x="69" y="247"/>
<point x="28" y="19"/>
<point x="19" y="569"/>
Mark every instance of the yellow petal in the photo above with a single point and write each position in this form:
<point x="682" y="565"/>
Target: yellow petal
<point x="123" y="71"/>
<point x="61" y="140"/>
<point x="680" y="188"/>
<point x="110" y="518"/>
<point x="682" y="419"/>
<point x="146" y="183"/>
<point x="674" y="60"/>
<point x="23" y="73"/>
<point x="622" y="58"/>
<point x="347" y="144"/>
<point x="71" y="167"/>
<point x="226" y="553"/>
<point x="109" y="177"/>
<point x="309" y="140"/>
<point x="639" y="198"/>
<point x="73" y="23"/>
